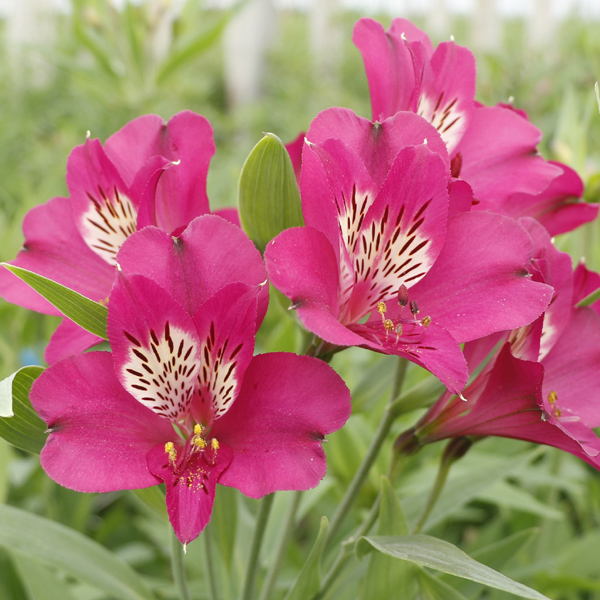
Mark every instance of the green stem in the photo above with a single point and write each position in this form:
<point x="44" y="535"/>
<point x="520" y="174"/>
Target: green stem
<point x="210" y="564"/>
<point x="455" y="449"/>
<point x="376" y="443"/>
<point x="259" y="532"/>
<point x="280" y="548"/>
<point x="178" y="568"/>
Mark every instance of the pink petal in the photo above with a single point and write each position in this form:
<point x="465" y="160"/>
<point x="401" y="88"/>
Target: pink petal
<point x="226" y="324"/>
<point x="104" y="210"/>
<point x="54" y="248"/>
<point x="402" y="233"/>
<point x="377" y="144"/>
<point x="431" y="347"/>
<point x="187" y="137"/>
<point x="572" y="370"/>
<point x="155" y="346"/>
<point x="191" y="490"/>
<point x="99" y="435"/>
<point x="559" y="207"/>
<point x="229" y="214"/>
<point x="446" y="99"/>
<point x="482" y="286"/>
<point x="209" y="254"/>
<point x="69" y="339"/>
<point x="500" y="155"/>
<point x="275" y="429"/>
<point x="302" y="265"/>
<point x="389" y="67"/>
<point x="294" y="149"/>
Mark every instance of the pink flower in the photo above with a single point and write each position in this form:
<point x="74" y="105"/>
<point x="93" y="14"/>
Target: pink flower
<point x="389" y="259"/>
<point x="543" y="385"/>
<point x="148" y="173"/>
<point x="182" y="400"/>
<point x="493" y="148"/>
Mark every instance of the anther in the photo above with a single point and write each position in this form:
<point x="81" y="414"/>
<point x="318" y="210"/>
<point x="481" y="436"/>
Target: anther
<point x="426" y="322"/>
<point x="381" y="308"/>
<point x="170" y="450"/>
<point x="414" y="309"/>
<point x="214" y="444"/>
<point x="403" y="295"/>
<point x="388" y="325"/>
<point x="552" y="397"/>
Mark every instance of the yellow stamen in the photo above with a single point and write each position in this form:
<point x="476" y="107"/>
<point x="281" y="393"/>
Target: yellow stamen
<point x="426" y="321"/>
<point x="170" y="450"/>
<point x="388" y="325"/>
<point x="557" y="413"/>
<point x="199" y="442"/>
<point x="215" y="444"/>
<point x="381" y="308"/>
<point x="197" y="429"/>
<point x="552" y="397"/>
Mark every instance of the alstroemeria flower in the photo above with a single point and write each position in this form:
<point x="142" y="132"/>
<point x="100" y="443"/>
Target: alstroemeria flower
<point x="183" y="401"/>
<point x="148" y="173"/>
<point x="493" y="148"/>
<point x="543" y="385"/>
<point x="389" y="259"/>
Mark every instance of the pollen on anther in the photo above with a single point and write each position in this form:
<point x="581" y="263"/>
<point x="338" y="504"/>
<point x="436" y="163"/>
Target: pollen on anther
<point x="381" y="308"/>
<point x="214" y="444"/>
<point x="552" y="397"/>
<point x="426" y="321"/>
<point x="170" y="450"/>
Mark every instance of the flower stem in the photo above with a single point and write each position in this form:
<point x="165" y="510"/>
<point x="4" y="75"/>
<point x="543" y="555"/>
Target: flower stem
<point x="376" y="443"/>
<point x="455" y="449"/>
<point x="259" y="531"/>
<point x="282" y="542"/>
<point x="178" y="568"/>
<point x="210" y="564"/>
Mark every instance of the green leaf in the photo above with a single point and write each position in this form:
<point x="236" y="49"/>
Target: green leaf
<point x="6" y="456"/>
<point x="590" y="298"/>
<point x="505" y="494"/>
<point x="433" y="588"/>
<point x="268" y="195"/>
<point x="20" y="425"/>
<point x="223" y="521"/>
<point x="40" y="582"/>
<point x="499" y="553"/>
<point x="62" y="548"/>
<point x="85" y="312"/>
<point x="384" y="573"/>
<point x="427" y="551"/>
<point x="309" y="580"/>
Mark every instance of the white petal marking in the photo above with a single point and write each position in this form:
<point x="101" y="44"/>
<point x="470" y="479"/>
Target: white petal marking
<point x="217" y="381"/>
<point x="107" y="223"/>
<point x="162" y="373"/>
<point x="444" y="116"/>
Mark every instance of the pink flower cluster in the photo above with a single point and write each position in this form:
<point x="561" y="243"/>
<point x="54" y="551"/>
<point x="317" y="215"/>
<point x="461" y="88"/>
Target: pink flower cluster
<point x="426" y="228"/>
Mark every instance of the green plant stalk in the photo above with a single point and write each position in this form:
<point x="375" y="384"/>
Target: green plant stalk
<point x="178" y="568"/>
<point x="455" y="449"/>
<point x="210" y="564"/>
<point x="282" y="542"/>
<point x="376" y="443"/>
<point x="259" y="531"/>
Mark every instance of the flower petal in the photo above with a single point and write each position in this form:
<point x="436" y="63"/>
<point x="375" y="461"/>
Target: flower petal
<point x="99" y="435"/>
<point x="209" y="254"/>
<point x="482" y="286"/>
<point x="500" y="156"/>
<point x="275" y="429"/>
<point x="69" y="339"/>
<point x="191" y="491"/>
<point x="155" y="346"/>
<point x="226" y="324"/>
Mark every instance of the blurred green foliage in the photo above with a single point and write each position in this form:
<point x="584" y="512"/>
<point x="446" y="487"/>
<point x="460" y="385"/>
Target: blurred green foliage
<point x="534" y="515"/>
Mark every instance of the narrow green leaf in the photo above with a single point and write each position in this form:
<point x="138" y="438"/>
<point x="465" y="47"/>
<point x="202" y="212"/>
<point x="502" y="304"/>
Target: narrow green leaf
<point x="20" y="425"/>
<point x="384" y="573"/>
<point x="5" y="459"/>
<point x="505" y="494"/>
<point x="85" y="312"/>
<point x="60" y="547"/>
<point x="223" y="521"/>
<point x="442" y="556"/>
<point x="40" y="582"/>
<point x="432" y="588"/>
<point x="499" y="553"/>
<point x="597" y="90"/>
<point x="268" y="195"/>
<point x="309" y="580"/>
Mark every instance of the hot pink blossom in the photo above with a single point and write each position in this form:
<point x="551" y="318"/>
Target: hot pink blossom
<point x="148" y="173"/>
<point x="493" y="148"/>
<point x="543" y="385"/>
<point x="182" y="400"/>
<point x="389" y="258"/>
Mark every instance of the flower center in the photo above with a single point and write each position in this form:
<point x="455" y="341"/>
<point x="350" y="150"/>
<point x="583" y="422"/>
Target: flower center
<point x="409" y="328"/>
<point x="197" y="443"/>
